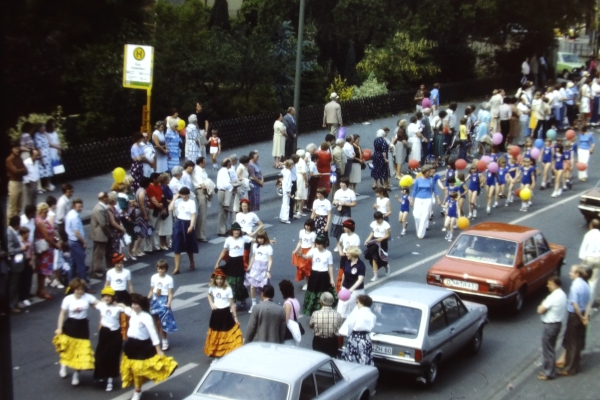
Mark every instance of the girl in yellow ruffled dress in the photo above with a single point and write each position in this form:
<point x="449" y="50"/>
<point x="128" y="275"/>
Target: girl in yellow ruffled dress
<point x="142" y="358"/>
<point x="72" y="340"/>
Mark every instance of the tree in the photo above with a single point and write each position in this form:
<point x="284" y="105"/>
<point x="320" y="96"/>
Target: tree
<point x="219" y="17"/>
<point x="350" y="70"/>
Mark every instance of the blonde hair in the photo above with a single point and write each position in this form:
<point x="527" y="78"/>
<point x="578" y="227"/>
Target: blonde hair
<point x="353" y="251"/>
<point x="41" y="207"/>
<point x="213" y="282"/>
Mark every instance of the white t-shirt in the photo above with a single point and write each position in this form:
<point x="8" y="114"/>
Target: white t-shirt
<point x="221" y="296"/>
<point x="307" y="239"/>
<point x="556" y="303"/>
<point x="321" y="207"/>
<point x="118" y="280"/>
<point x="382" y="204"/>
<point x="109" y="315"/>
<point x="379" y="230"/>
<point x="161" y="284"/>
<point x="77" y="308"/>
<point x="236" y="246"/>
<point x="53" y="139"/>
<point x="349" y="240"/>
<point x="320" y="260"/>
<point x="141" y="326"/>
<point x="246" y="221"/>
<point x="263" y="252"/>
<point x="185" y="209"/>
<point x="346" y="196"/>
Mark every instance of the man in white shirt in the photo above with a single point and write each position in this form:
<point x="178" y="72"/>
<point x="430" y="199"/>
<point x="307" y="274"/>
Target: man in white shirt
<point x="203" y="187"/>
<point x="76" y="240"/>
<point x="186" y="177"/>
<point x="504" y="114"/>
<point x="495" y="102"/>
<point x="589" y="253"/>
<point x="349" y="152"/>
<point x="63" y="206"/>
<point x="30" y="181"/>
<point x="225" y="196"/>
<point x="553" y="311"/>
<point x="525" y="69"/>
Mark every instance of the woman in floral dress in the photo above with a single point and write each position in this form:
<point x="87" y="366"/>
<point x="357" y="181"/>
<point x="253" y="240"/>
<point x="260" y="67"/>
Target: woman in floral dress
<point x="43" y="145"/>
<point x="172" y="141"/>
<point x="192" y="139"/>
<point x="381" y="169"/>
<point x="44" y="260"/>
<point x="137" y="160"/>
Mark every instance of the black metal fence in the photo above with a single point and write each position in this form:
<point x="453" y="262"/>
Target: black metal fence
<point x="101" y="157"/>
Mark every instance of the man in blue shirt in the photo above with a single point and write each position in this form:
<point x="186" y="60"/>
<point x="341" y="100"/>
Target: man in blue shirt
<point x="579" y="297"/>
<point x="434" y="96"/>
<point x="76" y="240"/>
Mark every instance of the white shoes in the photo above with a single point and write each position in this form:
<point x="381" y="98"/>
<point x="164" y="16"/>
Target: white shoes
<point x="495" y="204"/>
<point x="75" y="380"/>
<point x="109" y="385"/>
<point x="283" y="221"/>
<point x="475" y="213"/>
<point x="554" y="194"/>
<point x="305" y="286"/>
<point x="488" y="210"/>
<point x="137" y="395"/>
<point x="165" y="345"/>
<point x="470" y="215"/>
<point x="444" y="229"/>
<point x="56" y="284"/>
<point x="374" y="278"/>
<point x="63" y="371"/>
<point x="403" y="232"/>
<point x="26" y="302"/>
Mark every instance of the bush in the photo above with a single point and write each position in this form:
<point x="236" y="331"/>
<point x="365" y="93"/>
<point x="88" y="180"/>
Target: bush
<point x="370" y="87"/>
<point x="341" y="88"/>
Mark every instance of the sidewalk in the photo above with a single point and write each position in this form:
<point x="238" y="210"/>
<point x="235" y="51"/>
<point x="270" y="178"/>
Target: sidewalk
<point x="87" y="189"/>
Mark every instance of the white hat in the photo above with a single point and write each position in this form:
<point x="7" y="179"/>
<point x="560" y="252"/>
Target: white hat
<point x="570" y="85"/>
<point x="334" y="95"/>
<point x="380" y="133"/>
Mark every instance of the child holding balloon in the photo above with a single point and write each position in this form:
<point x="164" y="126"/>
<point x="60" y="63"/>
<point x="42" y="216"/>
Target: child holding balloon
<point x="501" y="174"/>
<point x="527" y="184"/>
<point x="568" y="165"/>
<point x="585" y="148"/>
<point x="404" y="208"/>
<point x="452" y="215"/>
<point x="460" y="182"/>
<point x="513" y="176"/>
<point x="547" y="161"/>
<point x="558" y="168"/>
<point x="474" y="179"/>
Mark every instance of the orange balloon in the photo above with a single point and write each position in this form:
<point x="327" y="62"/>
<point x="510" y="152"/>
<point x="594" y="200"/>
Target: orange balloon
<point x="518" y="192"/>
<point x="414" y="164"/>
<point x="515" y="151"/>
<point x="367" y="154"/>
<point x="460" y="164"/>
<point x="581" y="166"/>
<point x="463" y="222"/>
<point x="570" y="135"/>
<point x="481" y="165"/>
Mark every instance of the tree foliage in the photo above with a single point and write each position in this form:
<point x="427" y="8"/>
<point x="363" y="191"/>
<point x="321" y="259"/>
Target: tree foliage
<point x="369" y="88"/>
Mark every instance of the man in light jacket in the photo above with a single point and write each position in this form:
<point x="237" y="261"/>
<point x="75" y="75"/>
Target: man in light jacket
<point x="332" y="116"/>
<point x="338" y="157"/>
<point x="204" y="187"/>
<point x="267" y="321"/>
<point x="100" y="234"/>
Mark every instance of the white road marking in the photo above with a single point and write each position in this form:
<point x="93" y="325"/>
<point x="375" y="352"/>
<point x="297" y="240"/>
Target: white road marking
<point x="171" y="254"/>
<point x="265" y="226"/>
<point x="362" y="197"/>
<point x="137" y="266"/>
<point x="148" y="385"/>
<point x="217" y="240"/>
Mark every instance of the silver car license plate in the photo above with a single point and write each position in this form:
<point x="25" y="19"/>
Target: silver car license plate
<point x="461" y="284"/>
<point x="382" y="349"/>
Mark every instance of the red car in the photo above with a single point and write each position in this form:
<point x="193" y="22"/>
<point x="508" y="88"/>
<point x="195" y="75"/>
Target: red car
<point x="496" y="263"/>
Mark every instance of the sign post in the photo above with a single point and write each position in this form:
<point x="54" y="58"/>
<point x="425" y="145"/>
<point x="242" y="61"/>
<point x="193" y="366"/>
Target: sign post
<point x="138" y="68"/>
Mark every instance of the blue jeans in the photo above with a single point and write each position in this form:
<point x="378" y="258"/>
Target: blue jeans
<point x="77" y="260"/>
<point x="595" y="104"/>
<point x="556" y="112"/>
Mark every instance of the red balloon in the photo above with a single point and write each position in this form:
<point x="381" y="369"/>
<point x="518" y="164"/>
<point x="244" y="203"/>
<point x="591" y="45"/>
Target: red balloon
<point x="481" y="165"/>
<point x="581" y="166"/>
<point x="570" y="135"/>
<point x="367" y="154"/>
<point x="414" y="164"/>
<point x="515" y="151"/>
<point x="518" y="192"/>
<point x="520" y="159"/>
<point x="460" y="164"/>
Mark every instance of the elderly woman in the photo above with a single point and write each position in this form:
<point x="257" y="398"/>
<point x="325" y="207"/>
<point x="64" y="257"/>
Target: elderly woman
<point x="172" y="142"/>
<point x="142" y="224"/>
<point x="422" y="200"/>
<point x="301" y="183"/>
<point x="355" y="176"/>
<point x="45" y="165"/>
<point x="114" y="224"/>
<point x="149" y="155"/>
<point x="26" y="140"/>
<point x="381" y="167"/>
<point x="129" y="214"/>
<point x="184" y="231"/>
<point x="324" y="167"/>
<point x="360" y="323"/>
<point x="414" y="139"/>
<point x="192" y="139"/>
<point x="137" y="160"/>
<point x="44" y="245"/>
<point x="279" y="136"/>
<point x="256" y="178"/>
<point x="160" y="145"/>
<point x="165" y="229"/>
<point x="400" y="143"/>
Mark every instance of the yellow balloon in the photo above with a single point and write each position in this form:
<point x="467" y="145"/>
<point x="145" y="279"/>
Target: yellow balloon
<point x="180" y="124"/>
<point x="119" y="174"/>
<point x="525" y="194"/>
<point x="406" y="181"/>
<point x="463" y="223"/>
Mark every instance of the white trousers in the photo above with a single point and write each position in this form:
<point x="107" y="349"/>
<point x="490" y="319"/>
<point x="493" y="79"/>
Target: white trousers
<point x="421" y="212"/>
<point x="284" y="214"/>
<point x="583" y="156"/>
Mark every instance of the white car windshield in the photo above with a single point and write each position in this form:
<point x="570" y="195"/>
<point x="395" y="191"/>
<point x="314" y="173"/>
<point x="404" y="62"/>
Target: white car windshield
<point x="230" y="385"/>
<point x="396" y="320"/>
<point x="571" y="58"/>
<point x="484" y="249"/>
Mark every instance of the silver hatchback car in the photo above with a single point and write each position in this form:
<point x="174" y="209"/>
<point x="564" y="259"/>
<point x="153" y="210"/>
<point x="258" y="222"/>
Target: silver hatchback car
<point x="418" y="326"/>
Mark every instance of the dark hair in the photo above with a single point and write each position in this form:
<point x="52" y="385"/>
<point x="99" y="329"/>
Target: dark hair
<point x="453" y="106"/>
<point x="145" y="182"/>
<point x="453" y="195"/>
<point x="76" y="201"/>
<point x="162" y="264"/>
<point x="583" y="129"/>
<point x="184" y="191"/>
<point x="244" y="160"/>
<point x="51" y="201"/>
<point x="413" y="119"/>
<point x="141" y="301"/>
<point x="378" y="215"/>
<point x="14" y="221"/>
<point x="287" y="289"/>
<point x="452" y="180"/>
<point x="137" y="136"/>
<point x="174" y="110"/>
<point x="27" y="127"/>
<point x="51" y="123"/>
<point x="188" y="164"/>
<point x="268" y="291"/>
<point x="329" y="137"/>
<point x="23" y="230"/>
<point x="322" y="190"/>
<point x="66" y="187"/>
<point x="311" y="223"/>
<point x="252" y="154"/>
<point x="344" y="179"/>
<point x="154" y="176"/>
<point x="555" y="279"/>
<point x="30" y="210"/>
<point x="77" y="283"/>
<point x="295" y="158"/>
<point x="559" y="147"/>
<point x="442" y="114"/>
<point x="199" y="160"/>
<point x="419" y="114"/>
<point x="365" y="300"/>
<point x="314" y="157"/>
<point x="15" y="143"/>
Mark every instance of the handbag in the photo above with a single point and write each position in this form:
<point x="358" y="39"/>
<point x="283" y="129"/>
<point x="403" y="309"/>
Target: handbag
<point x="294" y="330"/>
<point x="41" y="246"/>
<point x="57" y="167"/>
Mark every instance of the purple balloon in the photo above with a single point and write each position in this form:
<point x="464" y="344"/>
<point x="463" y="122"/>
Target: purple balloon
<point x="341" y="133"/>
<point x="497" y="138"/>
<point x="486" y="159"/>
<point x="493" y="167"/>
<point x="344" y="294"/>
<point x="534" y="153"/>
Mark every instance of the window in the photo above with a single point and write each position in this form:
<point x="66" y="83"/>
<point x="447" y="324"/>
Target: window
<point x="452" y="309"/>
<point x="541" y="244"/>
<point x="308" y="390"/>
<point x="461" y="306"/>
<point x="231" y="385"/>
<point x="437" y="319"/>
<point x="326" y="377"/>
<point x="396" y="320"/>
<point x="529" y="251"/>
<point x="484" y="249"/>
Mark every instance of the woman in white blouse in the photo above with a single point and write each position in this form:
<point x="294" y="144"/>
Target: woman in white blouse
<point x="361" y="322"/>
<point x="286" y="186"/>
<point x="414" y="139"/>
<point x="321" y="276"/>
<point x="110" y="341"/>
<point x="279" y="136"/>
<point x="184" y="237"/>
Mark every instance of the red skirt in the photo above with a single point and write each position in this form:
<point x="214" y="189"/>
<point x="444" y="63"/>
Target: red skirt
<point x="303" y="266"/>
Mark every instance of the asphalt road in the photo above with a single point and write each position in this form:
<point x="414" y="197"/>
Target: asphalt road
<point x="508" y="340"/>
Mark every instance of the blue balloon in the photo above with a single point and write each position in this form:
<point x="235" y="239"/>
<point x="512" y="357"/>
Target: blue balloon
<point x="551" y="134"/>
<point x="539" y="143"/>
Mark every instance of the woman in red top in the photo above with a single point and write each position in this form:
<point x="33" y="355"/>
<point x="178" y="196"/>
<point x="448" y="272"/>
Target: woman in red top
<point x="155" y="195"/>
<point x="324" y="166"/>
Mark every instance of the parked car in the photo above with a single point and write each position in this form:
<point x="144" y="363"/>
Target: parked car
<point x="266" y="371"/>
<point x="589" y="203"/>
<point x="568" y="65"/>
<point x="497" y="263"/>
<point x="419" y="326"/>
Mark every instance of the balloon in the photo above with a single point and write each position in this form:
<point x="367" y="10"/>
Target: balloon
<point x="518" y="192"/>
<point x="551" y="134"/>
<point x="119" y="174"/>
<point x="493" y="167"/>
<point x="581" y="166"/>
<point x="344" y="294"/>
<point x="367" y="154"/>
<point x="180" y="124"/>
<point x="534" y="153"/>
<point x="497" y="138"/>
<point x="525" y="194"/>
<point x="460" y="164"/>
<point x="515" y="151"/>
<point x="520" y="159"/>
<point x="341" y="133"/>
<point x="486" y="159"/>
<point x="406" y="181"/>
<point x="413" y="164"/>
<point x="463" y="222"/>
<point x="539" y="143"/>
<point x="481" y="165"/>
<point x="570" y="135"/>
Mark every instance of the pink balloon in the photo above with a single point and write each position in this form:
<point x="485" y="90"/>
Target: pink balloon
<point x="497" y="138"/>
<point x="534" y="153"/>
<point x="486" y="159"/>
<point x="493" y="167"/>
<point x="344" y="294"/>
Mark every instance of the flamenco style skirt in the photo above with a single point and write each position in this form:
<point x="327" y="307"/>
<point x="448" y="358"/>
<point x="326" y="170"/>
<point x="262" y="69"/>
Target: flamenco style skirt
<point x="140" y="363"/>
<point x="337" y="221"/>
<point x="108" y="353"/>
<point x="73" y="345"/>
<point x="359" y="349"/>
<point x="224" y="335"/>
<point x="257" y="276"/>
<point x="318" y="282"/>
<point x="340" y="277"/>
<point x="159" y="309"/>
<point x="234" y="269"/>
<point x="303" y="266"/>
